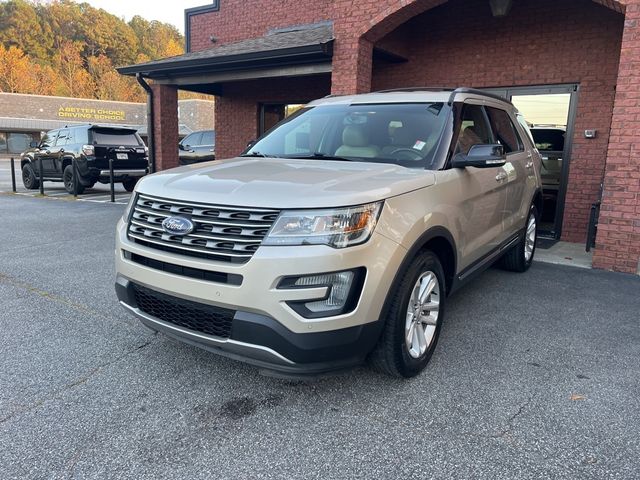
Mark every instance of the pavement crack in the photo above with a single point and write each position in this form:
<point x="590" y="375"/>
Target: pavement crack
<point x="53" y="297"/>
<point x="80" y="381"/>
<point x="506" y="432"/>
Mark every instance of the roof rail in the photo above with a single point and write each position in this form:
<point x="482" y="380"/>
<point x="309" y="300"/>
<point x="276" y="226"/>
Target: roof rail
<point x="415" y="89"/>
<point x="453" y="91"/>
<point x="475" y="91"/>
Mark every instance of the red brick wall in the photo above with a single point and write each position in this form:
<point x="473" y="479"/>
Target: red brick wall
<point x="165" y="121"/>
<point x="618" y="241"/>
<point x="241" y="19"/>
<point x="237" y="110"/>
<point x="460" y="43"/>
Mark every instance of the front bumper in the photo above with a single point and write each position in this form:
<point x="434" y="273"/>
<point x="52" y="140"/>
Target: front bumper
<point x="262" y="341"/>
<point x="266" y="331"/>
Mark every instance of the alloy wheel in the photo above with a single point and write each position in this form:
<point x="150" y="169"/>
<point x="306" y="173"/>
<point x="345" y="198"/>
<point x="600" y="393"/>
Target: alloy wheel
<point x="422" y="314"/>
<point x="530" y="240"/>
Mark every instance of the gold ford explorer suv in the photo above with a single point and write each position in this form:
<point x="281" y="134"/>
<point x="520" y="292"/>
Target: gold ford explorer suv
<point x="339" y="235"/>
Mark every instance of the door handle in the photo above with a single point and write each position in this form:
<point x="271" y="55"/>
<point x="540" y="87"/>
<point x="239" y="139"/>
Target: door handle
<point x="501" y="176"/>
<point x="211" y="149"/>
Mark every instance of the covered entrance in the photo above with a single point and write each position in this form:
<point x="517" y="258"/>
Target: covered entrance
<point x="550" y="112"/>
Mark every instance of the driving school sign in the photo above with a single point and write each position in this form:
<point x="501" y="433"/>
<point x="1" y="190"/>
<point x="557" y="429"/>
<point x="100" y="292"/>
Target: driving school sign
<point x="77" y="113"/>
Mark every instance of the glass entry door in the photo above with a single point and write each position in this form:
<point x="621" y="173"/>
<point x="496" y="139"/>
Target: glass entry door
<point x="550" y="112"/>
<point x="272" y="113"/>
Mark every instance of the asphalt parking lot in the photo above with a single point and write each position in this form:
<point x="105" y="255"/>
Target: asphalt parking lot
<point x="100" y="193"/>
<point x="536" y="376"/>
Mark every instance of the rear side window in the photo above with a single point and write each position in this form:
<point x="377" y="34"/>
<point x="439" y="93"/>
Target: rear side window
<point x="208" y="138"/>
<point x="549" y="139"/>
<point x="192" y="140"/>
<point x="80" y="136"/>
<point x="125" y="138"/>
<point x="504" y="130"/>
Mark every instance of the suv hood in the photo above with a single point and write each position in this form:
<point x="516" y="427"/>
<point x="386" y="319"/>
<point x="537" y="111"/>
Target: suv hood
<point x="284" y="183"/>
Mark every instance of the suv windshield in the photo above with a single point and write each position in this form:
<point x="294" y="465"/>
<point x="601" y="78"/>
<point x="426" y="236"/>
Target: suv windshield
<point x="403" y="134"/>
<point x="115" y="137"/>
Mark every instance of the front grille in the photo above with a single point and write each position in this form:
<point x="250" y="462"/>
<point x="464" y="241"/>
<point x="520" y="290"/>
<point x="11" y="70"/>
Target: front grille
<point x="229" y="234"/>
<point x="199" y="317"/>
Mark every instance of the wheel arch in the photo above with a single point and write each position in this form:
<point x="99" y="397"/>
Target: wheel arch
<point x="66" y="161"/>
<point x="440" y="241"/>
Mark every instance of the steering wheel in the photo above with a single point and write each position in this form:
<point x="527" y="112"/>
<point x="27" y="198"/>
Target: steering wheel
<point x="405" y="150"/>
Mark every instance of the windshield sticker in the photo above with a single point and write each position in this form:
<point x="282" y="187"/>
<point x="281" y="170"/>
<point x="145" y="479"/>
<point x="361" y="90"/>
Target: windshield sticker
<point x="419" y="145"/>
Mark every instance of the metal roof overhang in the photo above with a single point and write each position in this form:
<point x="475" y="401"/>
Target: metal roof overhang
<point x="318" y="53"/>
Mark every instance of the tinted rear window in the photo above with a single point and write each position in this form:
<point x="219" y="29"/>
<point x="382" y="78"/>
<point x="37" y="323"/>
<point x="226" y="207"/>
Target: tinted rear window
<point x="115" y="137"/>
<point x="208" y="138"/>
<point x="549" y="140"/>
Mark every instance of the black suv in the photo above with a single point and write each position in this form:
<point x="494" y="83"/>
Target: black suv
<point x="92" y="146"/>
<point x="197" y="147"/>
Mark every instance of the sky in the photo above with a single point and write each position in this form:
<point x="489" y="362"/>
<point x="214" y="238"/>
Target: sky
<point x="168" y="11"/>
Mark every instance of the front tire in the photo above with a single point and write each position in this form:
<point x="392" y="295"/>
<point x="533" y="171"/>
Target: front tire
<point x="29" y="178"/>
<point x="67" y="178"/>
<point x="520" y="257"/>
<point x="414" y="319"/>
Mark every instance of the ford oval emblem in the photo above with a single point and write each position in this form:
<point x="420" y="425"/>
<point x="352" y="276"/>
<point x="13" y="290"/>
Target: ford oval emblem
<point x="177" y="225"/>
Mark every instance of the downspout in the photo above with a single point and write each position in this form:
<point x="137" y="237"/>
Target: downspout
<point x="150" y="123"/>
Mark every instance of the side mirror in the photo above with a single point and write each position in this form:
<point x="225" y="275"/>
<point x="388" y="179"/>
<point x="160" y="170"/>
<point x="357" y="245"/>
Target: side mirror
<point x="481" y="156"/>
<point x="181" y="147"/>
<point x="251" y="144"/>
<point x="34" y="144"/>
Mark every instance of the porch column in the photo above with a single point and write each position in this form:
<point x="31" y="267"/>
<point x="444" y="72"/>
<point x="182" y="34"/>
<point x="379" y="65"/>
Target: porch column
<point x="618" y="239"/>
<point x="352" y="63"/>
<point x="165" y="120"/>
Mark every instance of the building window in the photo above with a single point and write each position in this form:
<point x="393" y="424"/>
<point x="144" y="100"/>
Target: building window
<point x="19" y="142"/>
<point x="3" y="142"/>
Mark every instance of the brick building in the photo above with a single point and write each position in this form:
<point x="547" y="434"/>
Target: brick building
<point x="261" y="58"/>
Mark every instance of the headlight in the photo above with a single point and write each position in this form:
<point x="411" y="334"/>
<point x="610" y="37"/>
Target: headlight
<point x="127" y="211"/>
<point x="336" y="227"/>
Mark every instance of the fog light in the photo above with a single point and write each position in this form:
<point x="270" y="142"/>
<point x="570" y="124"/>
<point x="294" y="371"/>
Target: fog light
<point x="339" y="285"/>
<point x="343" y="292"/>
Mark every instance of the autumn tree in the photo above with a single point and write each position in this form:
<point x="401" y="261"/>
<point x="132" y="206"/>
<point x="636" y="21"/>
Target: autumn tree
<point x="68" y="48"/>
<point x="75" y="81"/>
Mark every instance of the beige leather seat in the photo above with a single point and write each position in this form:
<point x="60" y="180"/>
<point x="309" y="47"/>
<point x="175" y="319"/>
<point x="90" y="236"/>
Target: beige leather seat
<point x="355" y="143"/>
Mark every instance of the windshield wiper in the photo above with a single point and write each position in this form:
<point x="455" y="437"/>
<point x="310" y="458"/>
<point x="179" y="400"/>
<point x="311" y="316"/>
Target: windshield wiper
<point x="257" y="154"/>
<point x="322" y="156"/>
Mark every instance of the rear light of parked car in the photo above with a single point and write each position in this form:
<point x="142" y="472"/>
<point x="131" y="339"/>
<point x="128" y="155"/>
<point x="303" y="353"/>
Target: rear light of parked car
<point x="88" y="150"/>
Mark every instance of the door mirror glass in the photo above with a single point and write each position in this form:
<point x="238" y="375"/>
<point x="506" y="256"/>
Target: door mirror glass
<point x="481" y="156"/>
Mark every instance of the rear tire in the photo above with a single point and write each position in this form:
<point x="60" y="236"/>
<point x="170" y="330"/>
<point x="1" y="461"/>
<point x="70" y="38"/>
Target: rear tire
<point x="67" y="178"/>
<point x="520" y="257"/>
<point x="130" y="184"/>
<point x="29" y="177"/>
<point x="414" y="319"/>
